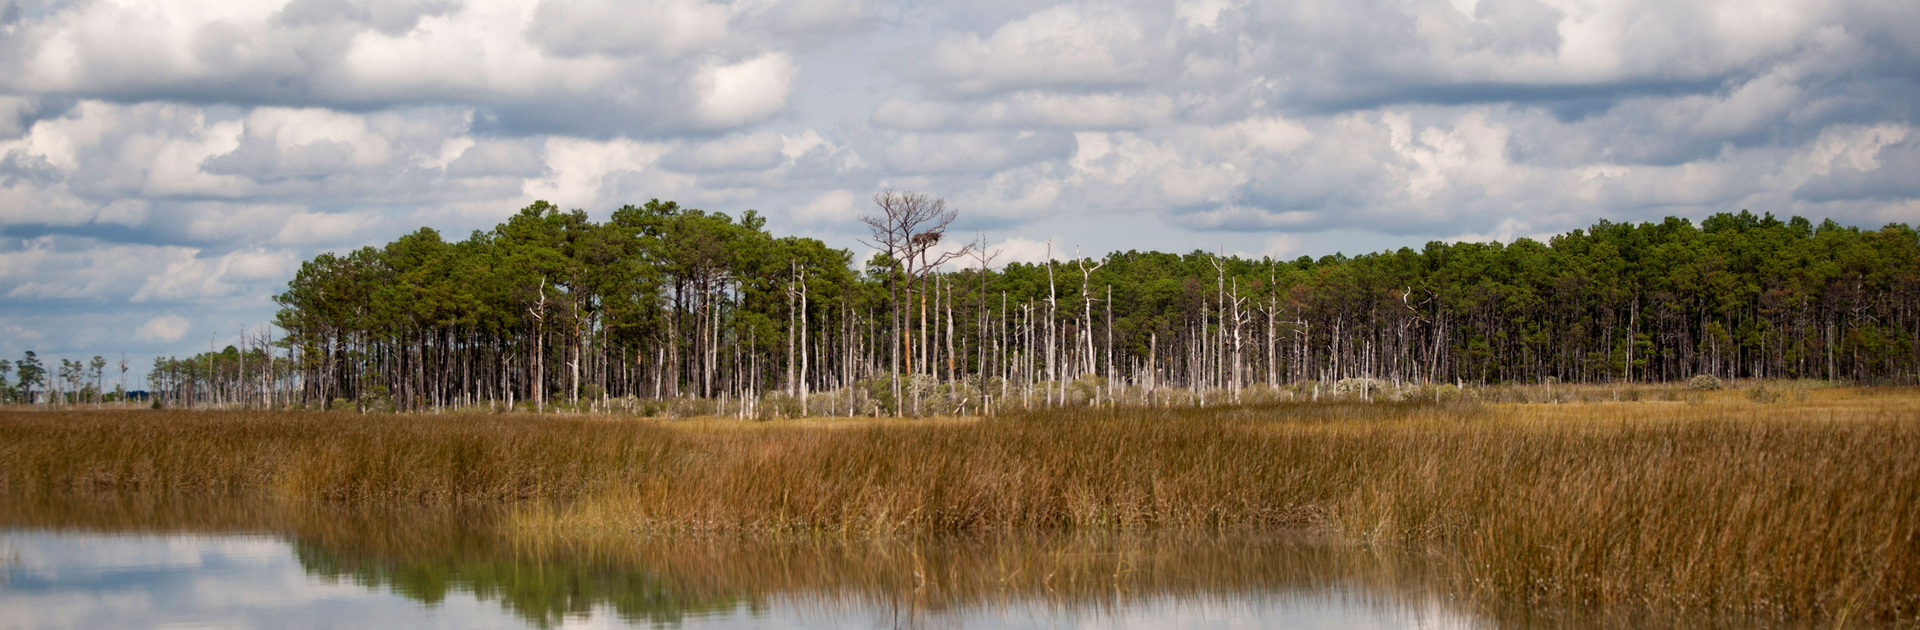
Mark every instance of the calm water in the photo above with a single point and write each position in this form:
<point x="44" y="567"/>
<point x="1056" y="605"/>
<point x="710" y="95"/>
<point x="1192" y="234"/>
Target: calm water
<point x="237" y="566"/>
<point x="91" y="580"/>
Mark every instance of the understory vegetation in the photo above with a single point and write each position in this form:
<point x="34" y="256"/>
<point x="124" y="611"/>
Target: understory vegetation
<point x="1797" y="507"/>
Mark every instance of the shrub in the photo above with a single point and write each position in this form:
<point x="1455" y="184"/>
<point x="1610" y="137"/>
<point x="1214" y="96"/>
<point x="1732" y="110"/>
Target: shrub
<point x="1705" y="382"/>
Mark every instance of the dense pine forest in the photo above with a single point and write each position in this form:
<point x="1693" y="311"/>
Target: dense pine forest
<point x="665" y="303"/>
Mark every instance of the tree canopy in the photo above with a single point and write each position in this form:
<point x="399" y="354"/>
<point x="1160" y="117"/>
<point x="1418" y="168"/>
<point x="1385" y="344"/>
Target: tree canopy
<point x="663" y="302"/>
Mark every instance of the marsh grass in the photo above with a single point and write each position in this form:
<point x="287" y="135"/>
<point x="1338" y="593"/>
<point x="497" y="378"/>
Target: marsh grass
<point x="1802" y="507"/>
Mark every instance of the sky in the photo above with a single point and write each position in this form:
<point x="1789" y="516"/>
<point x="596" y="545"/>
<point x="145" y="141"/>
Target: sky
<point x="166" y="165"/>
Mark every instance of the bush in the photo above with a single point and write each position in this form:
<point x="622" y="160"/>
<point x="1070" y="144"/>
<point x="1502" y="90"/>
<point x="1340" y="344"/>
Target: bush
<point x="1705" y="382"/>
<point x="1359" y="385"/>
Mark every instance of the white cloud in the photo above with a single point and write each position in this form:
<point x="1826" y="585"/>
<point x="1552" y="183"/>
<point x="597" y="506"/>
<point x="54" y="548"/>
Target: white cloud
<point x="1846" y="146"/>
<point x="666" y="28"/>
<point x="736" y="152"/>
<point x="128" y="212"/>
<point x="571" y="65"/>
<point x="1025" y="250"/>
<point x="1284" y="246"/>
<point x="67" y="268"/>
<point x="970" y="151"/>
<point x="1201" y="13"/>
<point x="830" y="208"/>
<point x="200" y="279"/>
<point x="317" y="228"/>
<point x="164" y="329"/>
<point x="749" y="91"/>
<point x="1031" y="109"/>
<point x="1071" y="45"/>
<point x="578" y="169"/>
<point x="191" y="154"/>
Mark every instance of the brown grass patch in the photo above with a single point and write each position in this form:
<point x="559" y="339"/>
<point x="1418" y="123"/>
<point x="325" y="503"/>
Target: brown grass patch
<point x="1807" y="508"/>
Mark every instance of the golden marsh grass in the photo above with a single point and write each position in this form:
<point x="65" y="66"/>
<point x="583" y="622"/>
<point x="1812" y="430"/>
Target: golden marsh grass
<point x="1803" y="508"/>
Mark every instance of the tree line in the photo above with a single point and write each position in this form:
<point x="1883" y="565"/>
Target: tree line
<point x="28" y="380"/>
<point x="663" y="303"/>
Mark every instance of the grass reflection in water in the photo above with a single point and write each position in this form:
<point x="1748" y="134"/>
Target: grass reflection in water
<point x="428" y="554"/>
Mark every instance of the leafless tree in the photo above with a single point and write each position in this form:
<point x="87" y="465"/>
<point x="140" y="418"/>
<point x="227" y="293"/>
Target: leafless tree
<point x="985" y="256"/>
<point x="908" y="229"/>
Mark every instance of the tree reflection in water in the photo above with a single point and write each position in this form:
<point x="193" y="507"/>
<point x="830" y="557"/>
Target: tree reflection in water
<point x="426" y="555"/>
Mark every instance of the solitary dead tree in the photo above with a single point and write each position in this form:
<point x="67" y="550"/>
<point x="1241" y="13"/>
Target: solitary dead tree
<point x="908" y="229"/>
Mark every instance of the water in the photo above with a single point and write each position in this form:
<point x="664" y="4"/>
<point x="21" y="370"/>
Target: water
<point x="94" y="580"/>
<point x="224" y="565"/>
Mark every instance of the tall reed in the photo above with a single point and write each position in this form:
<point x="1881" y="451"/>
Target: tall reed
<point x="1797" y="510"/>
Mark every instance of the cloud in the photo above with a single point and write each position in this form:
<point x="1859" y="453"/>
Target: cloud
<point x="972" y="151"/>
<point x="1025" y="250"/>
<point x="1088" y="45"/>
<point x="185" y="157"/>
<point x="731" y="95"/>
<point x="831" y="207"/>
<point x="164" y="329"/>
<point x="54" y="267"/>
<point x="661" y="28"/>
<point x="580" y="66"/>
<point x="1030" y="109"/>
<point x="1284" y="246"/>
<point x="204" y="279"/>
<point x="737" y="152"/>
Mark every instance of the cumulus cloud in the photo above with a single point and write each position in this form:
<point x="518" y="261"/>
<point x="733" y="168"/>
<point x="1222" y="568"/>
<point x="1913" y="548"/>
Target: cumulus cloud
<point x="729" y="95"/>
<point x="68" y="268"/>
<point x="663" y="28"/>
<point x="186" y="156"/>
<point x="577" y="66"/>
<point x="1284" y="246"/>
<point x="739" y="152"/>
<point x="833" y="206"/>
<point x="1073" y="45"/>
<point x="164" y="329"/>
<point x="202" y="279"/>
<point x="973" y="151"/>
<point x="1026" y="250"/>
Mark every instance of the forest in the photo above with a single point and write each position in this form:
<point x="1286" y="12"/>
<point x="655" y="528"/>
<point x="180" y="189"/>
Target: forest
<point x="667" y="303"/>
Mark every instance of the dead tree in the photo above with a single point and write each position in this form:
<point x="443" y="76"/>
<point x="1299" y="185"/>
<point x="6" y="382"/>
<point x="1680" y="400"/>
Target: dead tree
<point x="908" y="229"/>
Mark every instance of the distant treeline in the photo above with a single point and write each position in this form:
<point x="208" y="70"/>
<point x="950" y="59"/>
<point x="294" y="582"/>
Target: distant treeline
<point x="665" y="302"/>
<point x="73" y="382"/>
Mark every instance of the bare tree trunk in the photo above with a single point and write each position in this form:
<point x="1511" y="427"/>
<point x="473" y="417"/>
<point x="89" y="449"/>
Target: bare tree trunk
<point x="803" y="343"/>
<point x="1052" y="376"/>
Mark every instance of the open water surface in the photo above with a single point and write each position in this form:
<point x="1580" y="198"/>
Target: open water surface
<point x="147" y="565"/>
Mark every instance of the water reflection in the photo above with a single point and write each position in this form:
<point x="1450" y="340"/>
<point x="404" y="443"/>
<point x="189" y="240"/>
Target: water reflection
<point x="542" y="590"/>
<point x="238" y="564"/>
<point x="93" y="579"/>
